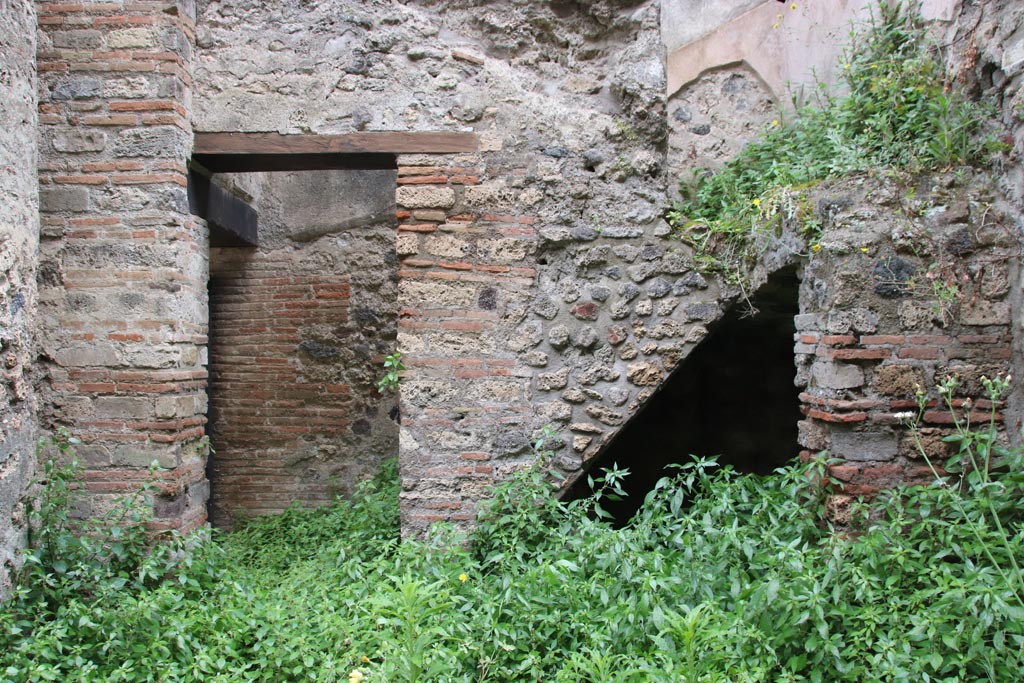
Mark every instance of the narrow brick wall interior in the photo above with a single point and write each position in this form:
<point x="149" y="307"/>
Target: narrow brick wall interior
<point x="299" y="327"/>
<point x="260" y="403"/>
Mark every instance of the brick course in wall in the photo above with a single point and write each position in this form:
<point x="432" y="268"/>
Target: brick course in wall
<point x="299" y="327"/>
<point x="123" y="264"/>
<point x="262" y="407"/>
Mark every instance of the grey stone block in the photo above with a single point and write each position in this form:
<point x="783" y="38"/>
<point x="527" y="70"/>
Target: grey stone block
<point x="54" y="199"/>
<point x="864" y="446"/>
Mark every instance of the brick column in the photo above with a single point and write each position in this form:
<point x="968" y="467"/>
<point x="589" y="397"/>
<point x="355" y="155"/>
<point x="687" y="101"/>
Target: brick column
<point x="464" y="277"/>
<point x="123" y="265"/>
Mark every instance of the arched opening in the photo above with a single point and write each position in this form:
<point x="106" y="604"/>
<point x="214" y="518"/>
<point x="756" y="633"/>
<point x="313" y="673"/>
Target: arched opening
<point x="733" y="397"/>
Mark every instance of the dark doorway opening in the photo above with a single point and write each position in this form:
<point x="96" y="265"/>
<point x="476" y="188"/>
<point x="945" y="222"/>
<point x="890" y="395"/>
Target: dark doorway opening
<point x="733" y="397"/>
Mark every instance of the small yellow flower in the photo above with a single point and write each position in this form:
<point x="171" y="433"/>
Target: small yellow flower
<point x="815" y="247"/>
<point x="775" y="25"/>
<point x="792" y="6"/>
<point x="863" y="250"/>
<point x="365" y="659"/>
<point x="356" y="676"/>
<point x="757" y="202"/>
<point x="775" y="122"/>
<point x="463" y="578"/>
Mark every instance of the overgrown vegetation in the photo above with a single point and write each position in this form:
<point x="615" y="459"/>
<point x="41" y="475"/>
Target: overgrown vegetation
<point x="720" y="577"/>
<point x="900" y="110"/>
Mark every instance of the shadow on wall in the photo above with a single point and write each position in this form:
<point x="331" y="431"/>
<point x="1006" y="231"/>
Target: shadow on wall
<point x="733" y="397"/>
<point x="299" y="327"/>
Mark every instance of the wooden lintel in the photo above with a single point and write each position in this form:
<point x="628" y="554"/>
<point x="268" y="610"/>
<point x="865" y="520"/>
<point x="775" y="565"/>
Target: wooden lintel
<point x="233" y="223"/>
<point x="378" y="142"/>
<point x="249" y="163"/>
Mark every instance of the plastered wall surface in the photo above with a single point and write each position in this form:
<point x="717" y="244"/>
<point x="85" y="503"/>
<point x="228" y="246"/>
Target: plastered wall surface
<point x="732" y="68"/>
<point x="19" y="242"/>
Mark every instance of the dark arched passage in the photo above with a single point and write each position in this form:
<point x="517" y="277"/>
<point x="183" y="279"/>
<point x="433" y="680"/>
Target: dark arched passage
<point x="733" y="396"/>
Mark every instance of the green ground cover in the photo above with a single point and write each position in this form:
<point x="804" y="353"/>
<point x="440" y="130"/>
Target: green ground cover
<point x="719" y="577"/>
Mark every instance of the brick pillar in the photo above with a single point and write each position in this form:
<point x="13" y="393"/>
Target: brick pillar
<point x="123" y="264"/>
<point x="464" y="277"/>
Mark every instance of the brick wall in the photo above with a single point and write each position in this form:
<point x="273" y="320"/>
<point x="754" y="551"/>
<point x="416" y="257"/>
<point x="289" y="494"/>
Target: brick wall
<point x="537" y="282"/>
<point x="123" y="264"/>
<point x="266" y="416"/>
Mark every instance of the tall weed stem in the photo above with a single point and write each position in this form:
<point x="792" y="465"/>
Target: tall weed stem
<point x="975" y="479"/>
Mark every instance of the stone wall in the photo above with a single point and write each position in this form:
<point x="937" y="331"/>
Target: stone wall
<point x="538" y="284"/>
<point x="19" y="242"/>
<point x="123" y="267"/>
<point x="909" y="284"/>
<point x="535" y="282"/>
<point x="299" y="327"/>
<point x="986" y="52"/>
<point x="568" y="104"/>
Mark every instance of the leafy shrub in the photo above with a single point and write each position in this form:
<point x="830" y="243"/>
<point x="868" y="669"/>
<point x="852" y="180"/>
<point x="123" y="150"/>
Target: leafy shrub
<point x="899" y="111"/>
<point x="95" y="597"/>
<point x="719" y="577"/>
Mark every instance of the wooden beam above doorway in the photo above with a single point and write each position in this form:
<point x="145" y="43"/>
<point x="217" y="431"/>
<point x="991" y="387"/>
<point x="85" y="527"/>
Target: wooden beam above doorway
<point x="247" y="152"/>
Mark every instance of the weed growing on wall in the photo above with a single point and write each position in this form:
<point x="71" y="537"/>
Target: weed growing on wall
<point x="393" y="367"/>
<point x="719" y="577"/>
<point x="900" y="111"/>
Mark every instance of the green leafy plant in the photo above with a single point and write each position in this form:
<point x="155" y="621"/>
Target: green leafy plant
<point x="98" y="588"/>
<point x="392" y="369"/>
<point x="718" y="577"/>
<point x="69" y="555"/>
<point x="897" y="95"/>
<point x="977" y="496"/>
